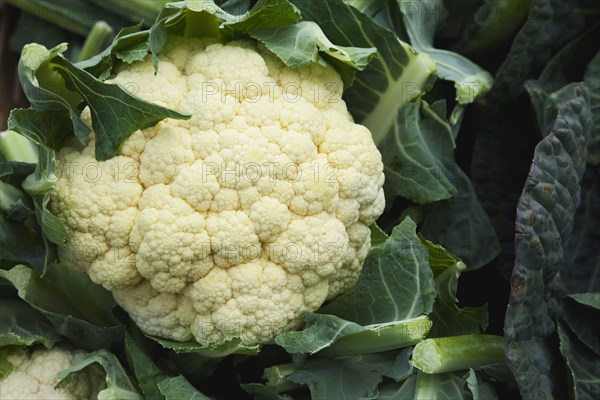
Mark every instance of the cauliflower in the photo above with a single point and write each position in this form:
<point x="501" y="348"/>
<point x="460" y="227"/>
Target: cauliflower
<point x="34" y="376"/>
<point x="234" y="222"/>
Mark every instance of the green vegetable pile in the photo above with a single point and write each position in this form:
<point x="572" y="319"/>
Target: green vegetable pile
<point x="482" y="278"/>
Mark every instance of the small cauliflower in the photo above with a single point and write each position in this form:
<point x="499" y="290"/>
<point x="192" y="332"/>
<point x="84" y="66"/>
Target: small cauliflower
<point x="236" y="221"/>
<point x="35" y="376"/>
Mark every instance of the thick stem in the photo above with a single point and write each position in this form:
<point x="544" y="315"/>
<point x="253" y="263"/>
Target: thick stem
<point x="9" y="196"/>
<point x="455" y="353"/>
<point x="382" y="338"/>
<point x="16" y="147"/>
<point x="95" y="41"/>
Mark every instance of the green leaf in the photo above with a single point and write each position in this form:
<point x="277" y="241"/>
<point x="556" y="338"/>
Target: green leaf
<point x="118" y="384"/>
<point x="179" y="388"/>
<point x="21" y="325"/>
<point x="546" y="105"/>
<point x="354" y="377"/>
<point x="416" y="154"/>
<point x="154" y="383"/>
<point x="332" y="336"/>
<point x="129" y="45"/>
<point x="592" y="79"/>
<point x="491" y="25"/>
<point x="233" y="346"/>
<point x="583" y="365"/>
<point x="204" y="18"/>
<point x="580" y="271"/>
<point x="300" y="44"/>
<point x="116" y="113"/>
<point x="579" y="311"/>
<point x="395" y="77"/>
<point x="20" y="243"/>
<point x="396" y="282"/>
<point x="448" y="319"/>
<point x="405" y="390"/>
<point x="461" y="225"/>
<point x="470" y="80"/>
<point x="550" y="25"/>
<point x="51" y="82"/>
<point x="69" y="315"/>
<point x="545" y="218"/>
<point x="147" y="374"/>
<point x="378" y="236"/>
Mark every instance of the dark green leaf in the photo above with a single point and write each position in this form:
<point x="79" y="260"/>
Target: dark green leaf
<point x="461" y="225"/>
<point x="550" y="25"/>
<point x="545" y="217"/>
<point x="69" y="318"/>
<point x="583" y="365"/>
<point x="592" y="79"/>
<point x="579" y="312"/>
<point x="21" y="325"/>
<point x="580" y="272"/>
<point x="448" y="319"/>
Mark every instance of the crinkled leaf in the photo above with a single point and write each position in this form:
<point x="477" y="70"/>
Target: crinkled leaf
<point x="545" y="217"/>
<point x="570" y="62"/>
<point x="461" y="225"/>
<point x="70" y="316"/>
<point x="448" y="319"/>
<point x="550" y="25"/>
<point x="416" y="154"/>
<point x="396" y="282"/>
<point x="546" y="105"/>
<point x="592" y="79"/>
<point x="470" y="80"/>
<point x="118" y="384"/>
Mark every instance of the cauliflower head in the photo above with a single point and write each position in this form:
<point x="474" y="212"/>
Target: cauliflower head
<point x="35" y="376"/>
<point x="234" y="222"/>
